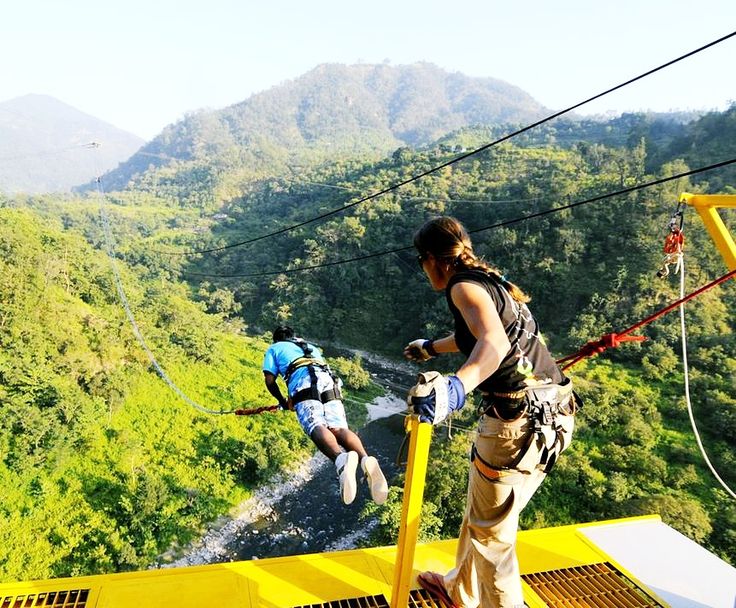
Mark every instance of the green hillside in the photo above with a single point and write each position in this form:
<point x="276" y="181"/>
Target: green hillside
<point x="103" y="466"/>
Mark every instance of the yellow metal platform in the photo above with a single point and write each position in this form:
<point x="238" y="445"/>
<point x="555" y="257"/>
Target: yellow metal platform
<point x="554" y="562"/>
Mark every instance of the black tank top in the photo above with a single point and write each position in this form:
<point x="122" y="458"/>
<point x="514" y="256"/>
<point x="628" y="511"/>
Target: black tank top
<point x="528" y="362"/>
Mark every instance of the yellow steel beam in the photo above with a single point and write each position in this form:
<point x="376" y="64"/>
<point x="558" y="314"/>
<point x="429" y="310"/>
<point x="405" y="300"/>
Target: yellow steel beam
<point x="420" y="434"/>
<point x="706" y="205"/>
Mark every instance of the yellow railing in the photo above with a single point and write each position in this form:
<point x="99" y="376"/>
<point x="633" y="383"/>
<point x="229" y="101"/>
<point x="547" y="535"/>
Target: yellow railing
<point x="420" y="434"/>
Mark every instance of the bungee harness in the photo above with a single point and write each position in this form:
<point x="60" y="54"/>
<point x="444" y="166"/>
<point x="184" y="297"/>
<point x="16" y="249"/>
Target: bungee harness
<point x="527" y="382"/>
<point x="542" y="404"/>
<point x="312" y="364"/>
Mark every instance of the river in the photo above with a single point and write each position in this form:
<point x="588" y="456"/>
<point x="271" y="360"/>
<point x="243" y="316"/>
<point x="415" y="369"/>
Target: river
<point x="301" y="512"/>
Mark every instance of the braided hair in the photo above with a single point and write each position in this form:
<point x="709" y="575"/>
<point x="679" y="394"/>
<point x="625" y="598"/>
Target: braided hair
<point x="447" y="240"/>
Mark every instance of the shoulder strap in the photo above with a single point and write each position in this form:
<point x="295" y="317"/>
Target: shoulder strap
<point x="306" y="349"/>
<point x="306" y="359"/>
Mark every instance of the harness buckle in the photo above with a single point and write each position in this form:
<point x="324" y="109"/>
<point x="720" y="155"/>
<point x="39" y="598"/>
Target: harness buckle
<point x="548" y="415"/>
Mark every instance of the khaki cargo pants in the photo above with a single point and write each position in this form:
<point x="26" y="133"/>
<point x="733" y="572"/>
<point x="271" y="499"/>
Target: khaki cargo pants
<point x="487" y="571"/>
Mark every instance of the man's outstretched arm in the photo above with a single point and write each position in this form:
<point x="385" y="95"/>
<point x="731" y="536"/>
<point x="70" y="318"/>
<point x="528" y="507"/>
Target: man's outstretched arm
<point x="274" y="389"/>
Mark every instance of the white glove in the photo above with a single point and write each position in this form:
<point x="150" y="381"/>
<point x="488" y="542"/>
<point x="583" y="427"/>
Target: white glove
<point x="418" y="350"/>
<point x="434" y="397"/>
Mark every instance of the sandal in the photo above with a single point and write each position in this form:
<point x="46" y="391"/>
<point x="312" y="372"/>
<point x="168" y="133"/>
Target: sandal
<point x="434" y="584"/>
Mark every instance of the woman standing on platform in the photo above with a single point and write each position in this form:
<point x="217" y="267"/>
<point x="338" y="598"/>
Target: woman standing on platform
<point x="525" y="417"/>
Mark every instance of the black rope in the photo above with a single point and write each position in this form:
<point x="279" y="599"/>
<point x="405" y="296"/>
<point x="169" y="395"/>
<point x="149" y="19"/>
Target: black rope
<point x="497" y="225"/>
<point x="454" y="160"/>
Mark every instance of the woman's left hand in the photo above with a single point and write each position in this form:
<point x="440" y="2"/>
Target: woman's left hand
<point x="418" y="350"/>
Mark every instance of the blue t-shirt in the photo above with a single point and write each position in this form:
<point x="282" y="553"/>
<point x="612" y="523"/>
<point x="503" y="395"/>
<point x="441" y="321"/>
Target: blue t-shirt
<point x="280" y="355"/>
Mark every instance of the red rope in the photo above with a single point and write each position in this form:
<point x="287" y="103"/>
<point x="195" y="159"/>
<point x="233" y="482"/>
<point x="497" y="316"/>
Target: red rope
<point x="258" y="410"/>
<point x="595" y="347"/>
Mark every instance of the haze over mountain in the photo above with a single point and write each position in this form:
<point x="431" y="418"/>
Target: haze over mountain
<point x="44" y="145"/>
<point x="332" y="110"/>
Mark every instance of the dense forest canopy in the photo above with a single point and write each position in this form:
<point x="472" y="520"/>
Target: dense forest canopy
<point x="104" y="468"/>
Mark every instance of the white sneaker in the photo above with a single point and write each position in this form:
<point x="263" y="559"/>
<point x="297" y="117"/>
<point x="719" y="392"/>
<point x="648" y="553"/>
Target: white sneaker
<point x="347" y="465"/>
<point x="376" y="480"/>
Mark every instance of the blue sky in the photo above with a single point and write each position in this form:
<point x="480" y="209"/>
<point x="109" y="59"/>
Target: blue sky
<point x="142" y="64"/>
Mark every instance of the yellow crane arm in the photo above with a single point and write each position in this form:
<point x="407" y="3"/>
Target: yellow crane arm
<point x="706" y="205"/>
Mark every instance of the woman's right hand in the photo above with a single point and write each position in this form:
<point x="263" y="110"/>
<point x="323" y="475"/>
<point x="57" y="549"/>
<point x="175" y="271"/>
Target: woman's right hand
<point x="417" y="350"/>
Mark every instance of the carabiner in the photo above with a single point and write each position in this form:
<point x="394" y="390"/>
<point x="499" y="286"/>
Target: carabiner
<point x="677" y="221"/>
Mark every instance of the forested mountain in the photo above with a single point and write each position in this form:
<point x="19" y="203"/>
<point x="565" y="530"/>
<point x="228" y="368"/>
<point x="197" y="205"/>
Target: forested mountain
<point x="44" y="145"/>
<point x="102" y="469"/>
<point x="709" y="140"/>
<point x="658" y="129"/>
<point x="502" y="183"/>
<point x="333" y="111"/>
<point x="590" y="271"/>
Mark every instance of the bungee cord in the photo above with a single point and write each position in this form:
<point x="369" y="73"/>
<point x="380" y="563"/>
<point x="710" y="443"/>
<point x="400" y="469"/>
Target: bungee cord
<point x="613" y="340"/>
<point x="110" y="250"/>
<point x="136" y="329"/>
<point x="685" y="369"/>
<point x="457" y="159"/>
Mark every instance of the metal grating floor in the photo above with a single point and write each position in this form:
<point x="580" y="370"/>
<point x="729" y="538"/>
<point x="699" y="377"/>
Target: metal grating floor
<point x="418" y="598"/>
<point x="69" y="598"/>
<point x="370" y="601"/>
<point x="594" y="586"/>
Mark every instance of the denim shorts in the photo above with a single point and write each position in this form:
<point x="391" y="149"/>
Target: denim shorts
<point x="313" y="413"/>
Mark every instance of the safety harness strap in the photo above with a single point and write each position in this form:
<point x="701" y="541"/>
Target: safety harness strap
<point x="302" y="362"/>
<point x="552" y="445"/>
<point x="543" y="404"/>
<point x="505" y="475"/>
<point x="312" y="364"/>
<point x="308" y="393"/>
<point x="306" y="359"/>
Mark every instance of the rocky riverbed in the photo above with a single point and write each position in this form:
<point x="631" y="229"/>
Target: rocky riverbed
<point x="301" y="511"/>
